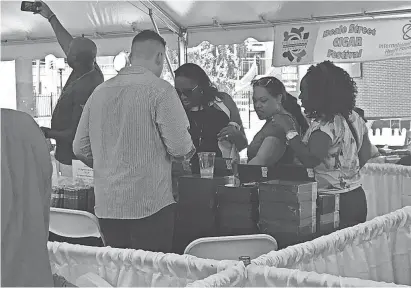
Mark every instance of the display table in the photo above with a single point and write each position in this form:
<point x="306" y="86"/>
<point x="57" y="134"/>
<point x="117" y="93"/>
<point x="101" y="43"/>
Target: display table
<point x="387" y="187"/>
<point x="377" y="250"/>
<point x="74" y="194"/>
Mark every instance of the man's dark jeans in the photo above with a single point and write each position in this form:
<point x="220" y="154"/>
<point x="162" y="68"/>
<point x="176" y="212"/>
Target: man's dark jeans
<point x="153" y="233"/>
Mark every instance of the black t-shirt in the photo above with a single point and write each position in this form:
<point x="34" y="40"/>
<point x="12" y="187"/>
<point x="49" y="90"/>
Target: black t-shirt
<point x="67" y="113"/>
<point x="205" y="125"/>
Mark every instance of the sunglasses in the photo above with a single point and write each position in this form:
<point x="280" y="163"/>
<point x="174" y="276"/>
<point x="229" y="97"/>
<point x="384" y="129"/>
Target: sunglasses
<point x="261" y="82"/>
<point x="186" y="92"/>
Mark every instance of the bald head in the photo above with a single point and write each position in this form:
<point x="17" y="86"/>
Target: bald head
<point x="82" y="51"/>
<point x="148" y="50"/>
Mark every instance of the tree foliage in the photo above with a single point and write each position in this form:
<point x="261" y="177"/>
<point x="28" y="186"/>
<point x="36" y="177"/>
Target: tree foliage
<point x="221" y="63"/>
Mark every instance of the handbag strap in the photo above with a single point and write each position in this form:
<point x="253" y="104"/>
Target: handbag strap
<point x="353" y="132"/>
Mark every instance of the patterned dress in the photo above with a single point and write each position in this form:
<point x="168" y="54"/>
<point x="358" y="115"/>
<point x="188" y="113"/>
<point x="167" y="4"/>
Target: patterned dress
<point x="341" y="168"/>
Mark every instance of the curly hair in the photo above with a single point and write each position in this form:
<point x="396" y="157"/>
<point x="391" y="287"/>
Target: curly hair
<point x="196" y="73"/>
<point x="331" y="91"/>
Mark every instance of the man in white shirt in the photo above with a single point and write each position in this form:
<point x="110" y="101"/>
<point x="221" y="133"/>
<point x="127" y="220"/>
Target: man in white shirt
<point x="131" y="128"/>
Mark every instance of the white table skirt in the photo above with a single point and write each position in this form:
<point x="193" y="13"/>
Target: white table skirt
<point x="377" y="250"/>
<point x="388" y="188"/>
<point x="133" y="268"/>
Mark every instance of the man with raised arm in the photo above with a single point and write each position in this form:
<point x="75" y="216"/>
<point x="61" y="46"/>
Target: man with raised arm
<point x="131" y="128"/>
<point x="85" y="77"/>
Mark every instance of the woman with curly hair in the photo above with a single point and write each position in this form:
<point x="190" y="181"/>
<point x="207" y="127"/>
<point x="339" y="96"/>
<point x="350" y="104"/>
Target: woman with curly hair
<point x="336" y="144"/>
<point x="215" y="122"/>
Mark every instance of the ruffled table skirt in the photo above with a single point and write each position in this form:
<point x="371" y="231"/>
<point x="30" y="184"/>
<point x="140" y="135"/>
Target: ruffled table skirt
<point x="377" y="250"/>
<point x="136" y="268"/>
<point x="388" y="188"/>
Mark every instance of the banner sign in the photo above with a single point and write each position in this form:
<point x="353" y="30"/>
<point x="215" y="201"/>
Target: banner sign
<point x="354" y="41"/>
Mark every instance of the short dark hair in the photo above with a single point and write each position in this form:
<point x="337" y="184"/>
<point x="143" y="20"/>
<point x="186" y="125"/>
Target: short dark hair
<point x="148" y="35"/>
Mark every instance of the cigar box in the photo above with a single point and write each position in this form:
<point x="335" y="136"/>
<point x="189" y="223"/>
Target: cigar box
<point x="287" y="191"/>
<point x="290" y="173"/>
<point x="237" y="219"/>
<point x="302" y="227"/>
<point x="194" y="190"/>
<point x="328" y="203"/>
<point x="231" y="194"/>
<point x="252" y="173"/>
<point x="288" y="211"/>
<point x="256" y="173"/>
<point x="237" y="210"/>
<point x="329" y="222"/>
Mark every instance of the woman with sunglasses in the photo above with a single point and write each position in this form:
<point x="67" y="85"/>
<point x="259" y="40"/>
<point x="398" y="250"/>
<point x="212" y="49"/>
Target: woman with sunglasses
<point x="214" y="117"/>
<point x="269" y="144"/>
<point x="336" y="144"/>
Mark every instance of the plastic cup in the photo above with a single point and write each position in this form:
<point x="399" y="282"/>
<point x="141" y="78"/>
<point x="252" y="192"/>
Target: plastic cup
<point x="206" y="161"/>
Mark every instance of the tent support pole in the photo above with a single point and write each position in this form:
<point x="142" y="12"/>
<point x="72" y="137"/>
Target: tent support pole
<point x="158" y="32"/>
<point x="168" y="21"/>
<point x="182" y="48"/>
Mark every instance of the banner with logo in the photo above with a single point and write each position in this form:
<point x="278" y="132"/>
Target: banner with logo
<point x="354" y="41"/>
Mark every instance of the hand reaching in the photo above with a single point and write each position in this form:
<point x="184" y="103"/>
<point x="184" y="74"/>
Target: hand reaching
<point x="228" y="133"/>
<point x="45" y="131"/>
<point x="285" y="121"/>
<point x="44" y="10"/>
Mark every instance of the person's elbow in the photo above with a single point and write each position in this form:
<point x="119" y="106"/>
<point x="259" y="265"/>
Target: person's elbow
<point x="243" y="143"/>
<point x="181" y="150"/>
<point x="77" y="147"/>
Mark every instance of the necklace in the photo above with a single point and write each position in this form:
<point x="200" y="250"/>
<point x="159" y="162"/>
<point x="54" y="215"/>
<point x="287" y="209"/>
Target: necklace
<point x="198" y="127"/>
<point x="71" y="84"/>
<point x="78" y="79"/>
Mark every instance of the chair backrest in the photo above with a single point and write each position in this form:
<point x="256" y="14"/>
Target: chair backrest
<point x="232" y="247"/>
<point x="74" y="223"/>
<point x="91" y="280"/>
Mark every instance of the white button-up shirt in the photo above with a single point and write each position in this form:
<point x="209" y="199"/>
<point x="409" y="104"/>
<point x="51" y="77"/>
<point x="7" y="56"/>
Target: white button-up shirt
<point x="131" y="127"/>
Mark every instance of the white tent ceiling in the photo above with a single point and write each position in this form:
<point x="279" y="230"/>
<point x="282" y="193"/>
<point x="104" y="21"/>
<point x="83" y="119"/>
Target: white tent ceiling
<point x="220" y="22"/>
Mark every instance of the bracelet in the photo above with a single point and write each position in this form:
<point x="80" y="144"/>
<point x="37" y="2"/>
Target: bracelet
<point x="51" y="17"/>
<point x="235" y="125"/>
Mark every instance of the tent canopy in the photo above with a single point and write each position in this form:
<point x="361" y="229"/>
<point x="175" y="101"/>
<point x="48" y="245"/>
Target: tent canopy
<point x="219" y="22"/>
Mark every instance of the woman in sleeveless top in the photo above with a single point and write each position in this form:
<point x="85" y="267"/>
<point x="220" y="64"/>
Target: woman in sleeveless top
<point x="214" y="118"/>
<point x="336" y="144"/>
<point x="269" y="144"/>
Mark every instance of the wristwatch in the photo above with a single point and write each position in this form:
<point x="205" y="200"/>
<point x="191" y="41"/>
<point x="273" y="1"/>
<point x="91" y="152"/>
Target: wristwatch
<point x="291" y="135"/>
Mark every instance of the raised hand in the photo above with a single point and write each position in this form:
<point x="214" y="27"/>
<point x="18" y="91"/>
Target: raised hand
<point x="44" y="10"/>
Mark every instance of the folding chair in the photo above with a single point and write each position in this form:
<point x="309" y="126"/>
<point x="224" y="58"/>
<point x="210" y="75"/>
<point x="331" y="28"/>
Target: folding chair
<point x="232" y="247"/>
<point x="74" y="223"/>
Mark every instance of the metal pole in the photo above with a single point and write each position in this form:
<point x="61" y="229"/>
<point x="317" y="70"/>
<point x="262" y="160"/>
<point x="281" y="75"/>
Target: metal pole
<point x="61" y="80"/>
<point x="249" y="110"/>
<point x="182" y="48"/>
<point x="158" y="32"/>
<point x="38" y="77"/>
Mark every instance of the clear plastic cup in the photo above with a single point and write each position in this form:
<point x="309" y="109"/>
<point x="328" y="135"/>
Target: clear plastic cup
<point x="206" y="161"/>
